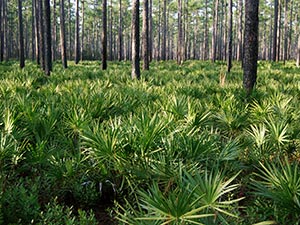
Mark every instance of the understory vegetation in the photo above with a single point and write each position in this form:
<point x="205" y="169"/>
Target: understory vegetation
<point x="183" y="145"/>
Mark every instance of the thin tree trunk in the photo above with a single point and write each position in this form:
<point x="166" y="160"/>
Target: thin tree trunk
<point x="206" y="47"/>
<point x="159" y="32"/>
<point x="270" y="46"/>
<point x="135" y="27"/>
<point x="275" y="30"/>
<point x="1" y="32"/>
<point x="21" y="36"/>
<point x="120" y="56"/>
<point x="77" y="45"/>
<point x="278" y="56"/>
<point x="5" y="31"/>
<point x="179" y="45"/>
<point x="150" y="31"/>
<point x="63" y="35"/>
<point x="298" y="52"/>
<point x="229" y="33"/>
<point x="41" y="34"/>
<point x="54" y="32"/>
<point x="82" y="32"/>
<point x="185" y="31"/>
<point x="111" y="33"/>
<point x="290" y="30"/>
<point x="104" y="34"/>
<point x="240" y="31"/>
<point x="145" y="35"/>
<point x="214" y="35"/>
<point x="32" y="30"/>
<point x="285" y="45"/>
<point x="47" y="24"/>
<point x="251" y="45"/>
<point x="70" y="29"/>
<point x="37" y="29"/>
<point x="164" y="31"/>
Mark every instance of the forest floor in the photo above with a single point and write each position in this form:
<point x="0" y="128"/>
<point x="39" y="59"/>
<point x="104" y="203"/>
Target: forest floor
<point x="183" y="145"/>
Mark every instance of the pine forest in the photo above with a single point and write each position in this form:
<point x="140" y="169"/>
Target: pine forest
<point x="149" y="112"/>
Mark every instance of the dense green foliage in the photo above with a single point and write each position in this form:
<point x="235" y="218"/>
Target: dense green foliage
<point x="175" y="147"/>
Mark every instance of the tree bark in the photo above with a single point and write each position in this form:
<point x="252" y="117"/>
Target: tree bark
<point x="111" y="33"/>
<point x="214" y="35"/>
<point x="47" y="24"/>
<point x="240" y="32"/>
<point x="145" y="36"/>
<point x="104" y="34"/>
<point x="158" y="52"/>
<point x="41" y="35"/>
<point x="1" y="33"/>
<point x="77" y="45"/>
<point x="150" y="31"/>
<point x="164" y="31"/>
<point x="229" y="40"/>
<point x="120" y="56"/>
<point x="63" y="35"/>
<point x="285" y="45"/>
<point x="82" y="32"/>
<point x="290" y="30"/>
<point x="70" y="29"/>
<point x="135" y="27"/>
<point x="4" y="32"/>
<point x="250" y="45"/>
<point x="179" y="45"/>
<point x="54" y="32"/>
<point x="21" y="36"/>
<point x="275" y="30"/>
<point x="298" y="52"/>
<point x="278" y="56"/>
<point x="206" y="47"/>
<point x="32" y="30"/>
<point x="37" y="29"/>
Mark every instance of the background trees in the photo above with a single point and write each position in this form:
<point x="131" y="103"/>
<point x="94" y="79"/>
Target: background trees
<point x="201" y="32"/>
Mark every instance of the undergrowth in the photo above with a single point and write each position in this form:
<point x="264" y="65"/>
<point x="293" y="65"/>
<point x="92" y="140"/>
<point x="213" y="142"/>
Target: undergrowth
<point x="86" y="146"/>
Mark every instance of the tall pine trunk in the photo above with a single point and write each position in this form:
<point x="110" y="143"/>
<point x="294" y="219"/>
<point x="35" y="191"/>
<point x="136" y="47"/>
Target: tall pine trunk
<point x="240" y="32"/>
<point x="285" y="44"/>
<point x="214" y="35"/>
<point x="104" y="34"/>
<point x="145" y="36"/>
<point x="82" y="31"/>
<point x="47" y="24"/>
<point x="37" y="31"/>
<point x="111" y="33"/>
<point x="150" y="31"/>
<point x="63" y="35"/>
<point x="120" y="55"/>
<point x="70" y="29"/>
<point x="54" y="32"/>
<point x="278" y="56"/>
<point x="180" y="36"/>
<point x="77" y="45"/>
<point x="298" y="52"/>
<point x="229" y="40"/>
<point x="21" y="36"/>
<point x="164" y="31"/>
<point x="41" y="35"/>
<point x="275" y="30"/>
<point x="32" y="30"/>
<point x="206" y="46"/>
<point x="135" y="39"/>
<point x="1" y="32"/>
<point x="250" y="45"/>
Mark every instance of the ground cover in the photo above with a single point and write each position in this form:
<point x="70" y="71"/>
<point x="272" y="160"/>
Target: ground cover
<point x="182" y="145"/>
